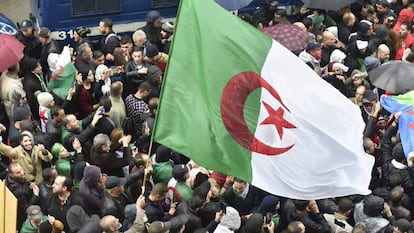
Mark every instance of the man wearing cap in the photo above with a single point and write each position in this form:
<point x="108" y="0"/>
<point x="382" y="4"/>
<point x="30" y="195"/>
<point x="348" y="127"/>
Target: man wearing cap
<point x="80" y="36"/>
<point x="371" y="212"/>
<point x="312" y="56"/>
<point x="49" y="46"/>
<point x="110" y="224"/>
<point x="176" y="223"/>
<point x="27" y="193"/>
<point x="34" y="218"/>
<point x="117" y="195"/>
<point x="155" y="57"/>
<point x="167" y="36"/>
<point x="32" y="45"/>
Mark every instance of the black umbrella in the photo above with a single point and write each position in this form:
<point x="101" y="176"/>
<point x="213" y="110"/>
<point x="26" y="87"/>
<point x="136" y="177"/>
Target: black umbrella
<point x="333" y="5"/>
<point x="394" y="76"/>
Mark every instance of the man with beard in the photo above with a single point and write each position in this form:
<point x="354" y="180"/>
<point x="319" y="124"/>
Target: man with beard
<point x="27" y="193"/>
<point x="62" y="199"/>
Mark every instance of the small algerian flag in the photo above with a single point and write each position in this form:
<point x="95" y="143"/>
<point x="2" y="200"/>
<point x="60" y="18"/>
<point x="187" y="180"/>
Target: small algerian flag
<point x="237" y="102"/>
<point x="64" y="74"/>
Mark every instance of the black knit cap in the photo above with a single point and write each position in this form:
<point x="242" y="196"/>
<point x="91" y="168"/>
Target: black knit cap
<point x="82" y="31"/>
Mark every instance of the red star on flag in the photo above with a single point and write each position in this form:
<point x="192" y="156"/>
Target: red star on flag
<point x="276" y="118"/>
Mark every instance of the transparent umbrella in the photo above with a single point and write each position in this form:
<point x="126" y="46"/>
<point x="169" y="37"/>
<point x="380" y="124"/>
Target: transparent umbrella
<point x="233" y="5"/>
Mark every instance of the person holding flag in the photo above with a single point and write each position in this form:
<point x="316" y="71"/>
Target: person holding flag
<point x="250" y="115"/>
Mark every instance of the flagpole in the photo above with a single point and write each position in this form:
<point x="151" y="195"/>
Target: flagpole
<point x="166" y="69"/>
<point x="162" y="88"/>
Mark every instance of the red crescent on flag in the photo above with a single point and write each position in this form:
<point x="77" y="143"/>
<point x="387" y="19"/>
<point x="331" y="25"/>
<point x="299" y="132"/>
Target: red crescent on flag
<point x="232" y="104"/>
<point x="58" y="71"/>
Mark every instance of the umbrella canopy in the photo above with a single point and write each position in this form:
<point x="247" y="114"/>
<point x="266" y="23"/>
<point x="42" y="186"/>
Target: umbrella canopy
<point x="233" y="5"/>
<point x="289" y="35"/>
<point x="11" y="51"/>
<point x="394" y="76"/>
<point x="7" y="26"/>
<point x="333" y="5"/>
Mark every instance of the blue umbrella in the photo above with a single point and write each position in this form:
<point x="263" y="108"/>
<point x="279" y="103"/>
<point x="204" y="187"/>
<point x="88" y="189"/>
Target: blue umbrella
<point x="7" y="26"/>
<point x="233" y="5"/>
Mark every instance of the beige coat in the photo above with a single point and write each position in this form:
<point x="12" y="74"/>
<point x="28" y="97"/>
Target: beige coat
<point x="19" y="155"/>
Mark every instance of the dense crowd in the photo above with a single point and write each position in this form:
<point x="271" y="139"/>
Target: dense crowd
<point x="85" y="162"/>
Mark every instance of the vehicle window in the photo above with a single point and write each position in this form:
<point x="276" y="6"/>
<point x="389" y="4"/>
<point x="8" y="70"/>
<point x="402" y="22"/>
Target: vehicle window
<point x="161" y="3"/>
<point x="81" y="7"/>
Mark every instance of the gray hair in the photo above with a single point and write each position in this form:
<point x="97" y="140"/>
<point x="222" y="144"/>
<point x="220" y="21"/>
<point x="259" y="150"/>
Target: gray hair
<point x="100" y="140"/>
<point x="82" y="49"/>
<point x="139" y="35"/>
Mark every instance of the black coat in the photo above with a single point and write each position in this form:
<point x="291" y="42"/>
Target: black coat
<point x="115" y="205"/>
<point x="31" y="85"/>
<point x="243" y="206"/>
<point x="32" y="45"/>
<point x="24" y="196"/>
<point x="54" y="207"/>
<point x="109" y="163"/>
<point x="314" y="223"/>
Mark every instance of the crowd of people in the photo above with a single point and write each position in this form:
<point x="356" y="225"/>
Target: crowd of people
<point x="86" y="163"/>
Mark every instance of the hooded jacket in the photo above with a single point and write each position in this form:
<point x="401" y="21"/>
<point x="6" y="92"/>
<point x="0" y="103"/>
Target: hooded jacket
<point x="90" y="190"/>
<point x="153" y="33"/>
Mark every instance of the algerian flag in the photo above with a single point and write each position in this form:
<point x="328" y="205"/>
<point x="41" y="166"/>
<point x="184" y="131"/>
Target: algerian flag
<point x="237" y="102"/>
<point x="64" y="73"/>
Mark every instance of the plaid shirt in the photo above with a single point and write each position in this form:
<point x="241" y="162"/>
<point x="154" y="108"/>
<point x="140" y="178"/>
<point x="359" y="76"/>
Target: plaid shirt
<point x="135" y="107"/>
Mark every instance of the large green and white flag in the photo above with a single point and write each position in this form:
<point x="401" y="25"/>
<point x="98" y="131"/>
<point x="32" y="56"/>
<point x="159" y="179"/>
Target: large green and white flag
<point x="237" y="102"/>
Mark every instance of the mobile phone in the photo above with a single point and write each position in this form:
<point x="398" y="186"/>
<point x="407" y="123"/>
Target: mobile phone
<point x="268" y="217"/>
<point x="101" y="111"/>
<point x="223" y="207"/>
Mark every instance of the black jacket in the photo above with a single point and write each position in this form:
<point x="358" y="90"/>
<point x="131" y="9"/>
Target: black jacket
<point x="387" y="157"/>
<point x="313" y="223"/>
<point x="31" y="85"/>
<point x="109" y="163"/>
<point x="243" y="206"/>
<point x="115" y="206"/>
<point x="54" y="208"/>
<point x="24" y="196"/>
<point x="32" y="45"/>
